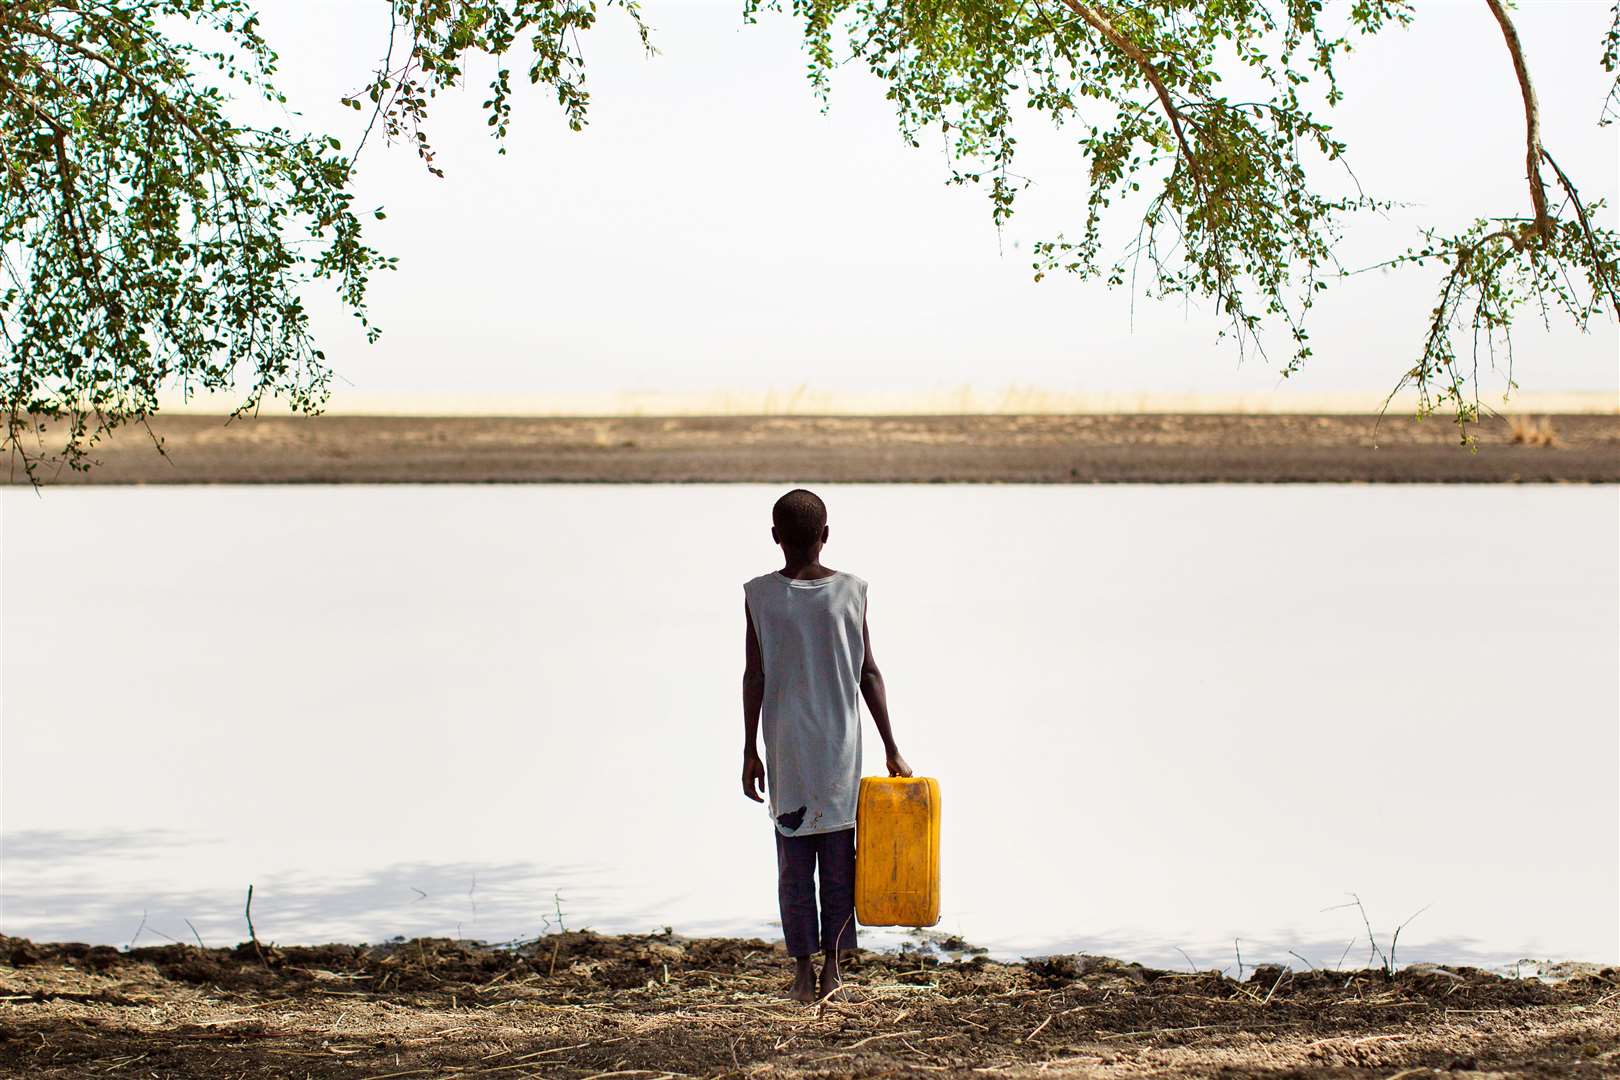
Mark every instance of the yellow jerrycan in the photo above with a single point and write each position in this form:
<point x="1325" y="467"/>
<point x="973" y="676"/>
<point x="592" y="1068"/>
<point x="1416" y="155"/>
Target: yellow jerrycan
<point x="897" y="851"/>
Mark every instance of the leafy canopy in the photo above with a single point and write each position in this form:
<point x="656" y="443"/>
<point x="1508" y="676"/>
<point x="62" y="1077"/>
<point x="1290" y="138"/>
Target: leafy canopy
<point x="149" y="238"/>
<point x="1224" y="190"/>
<point x="146" y="239"/>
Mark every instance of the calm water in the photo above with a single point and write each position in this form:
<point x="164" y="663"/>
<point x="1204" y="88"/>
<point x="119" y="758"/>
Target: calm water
<point x="1163" y="717"/>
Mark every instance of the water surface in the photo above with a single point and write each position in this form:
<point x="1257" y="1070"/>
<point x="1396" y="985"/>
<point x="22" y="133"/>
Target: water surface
<point x="1163" y="717"/>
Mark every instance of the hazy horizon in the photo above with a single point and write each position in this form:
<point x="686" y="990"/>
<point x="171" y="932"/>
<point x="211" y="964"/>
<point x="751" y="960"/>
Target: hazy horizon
<point x="945" y="401"/>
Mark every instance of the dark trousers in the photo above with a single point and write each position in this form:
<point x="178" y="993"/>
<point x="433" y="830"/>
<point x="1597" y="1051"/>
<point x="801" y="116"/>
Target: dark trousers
<point x="798" y="860"/>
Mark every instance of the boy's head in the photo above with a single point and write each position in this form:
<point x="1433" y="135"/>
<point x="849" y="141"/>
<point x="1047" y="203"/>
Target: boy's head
<point x="799" y="520"/>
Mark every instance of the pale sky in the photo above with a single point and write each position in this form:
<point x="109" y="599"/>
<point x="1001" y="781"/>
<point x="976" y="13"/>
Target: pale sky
<point x="713" y="231"/>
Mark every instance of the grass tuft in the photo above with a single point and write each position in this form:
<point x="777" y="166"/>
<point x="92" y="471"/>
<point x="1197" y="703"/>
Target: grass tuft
<point x="1531" y="431"/>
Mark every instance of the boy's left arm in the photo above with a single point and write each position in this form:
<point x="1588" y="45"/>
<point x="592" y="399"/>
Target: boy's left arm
<point x="753" y="694"/>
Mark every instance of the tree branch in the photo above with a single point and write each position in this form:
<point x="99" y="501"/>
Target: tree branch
<point x="1111" y="33"/>
<point x="72" y="216"/>
<point x="153" y="94"/>
<point x="1532" y="121"/>
<point x="1599" y="269"/>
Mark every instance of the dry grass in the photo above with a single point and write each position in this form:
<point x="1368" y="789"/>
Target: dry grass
<point x="1532" y="431"/>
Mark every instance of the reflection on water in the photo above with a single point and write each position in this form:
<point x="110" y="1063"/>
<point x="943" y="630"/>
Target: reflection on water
<point x="507" y="903"/>
<point x="56" y="884"/>
<point x="1163" y="718"/>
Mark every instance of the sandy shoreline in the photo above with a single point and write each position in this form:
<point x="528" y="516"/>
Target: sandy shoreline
<point x="1133" y="448"/>
<point x="582" y="1005"/>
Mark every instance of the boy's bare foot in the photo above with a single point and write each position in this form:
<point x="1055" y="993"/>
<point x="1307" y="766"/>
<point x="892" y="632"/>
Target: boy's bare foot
<point x="832" y="980"/>
<point x="804" y="982"/>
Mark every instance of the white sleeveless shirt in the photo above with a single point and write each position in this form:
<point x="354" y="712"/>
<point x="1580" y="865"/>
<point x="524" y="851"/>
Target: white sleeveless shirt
<point x="812" y="645"/>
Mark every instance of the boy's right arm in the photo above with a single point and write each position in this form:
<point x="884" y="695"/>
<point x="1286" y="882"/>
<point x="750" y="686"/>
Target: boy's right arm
<point x="753" y="693"/>
<point x="877" y="703"/>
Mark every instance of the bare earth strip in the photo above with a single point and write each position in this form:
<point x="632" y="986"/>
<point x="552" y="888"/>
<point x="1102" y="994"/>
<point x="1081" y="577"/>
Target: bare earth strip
<point x="1136" y="448"/>
<point x="577" y="1005"/>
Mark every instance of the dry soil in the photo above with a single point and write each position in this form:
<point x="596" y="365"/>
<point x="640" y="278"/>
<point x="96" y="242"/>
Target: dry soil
<point x="1136" y="448"/>
<point x="576" y="1005"/>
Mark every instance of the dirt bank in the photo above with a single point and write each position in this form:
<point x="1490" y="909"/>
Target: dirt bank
<point x="581" y="1005"/>
<point x="1138" y="448"/>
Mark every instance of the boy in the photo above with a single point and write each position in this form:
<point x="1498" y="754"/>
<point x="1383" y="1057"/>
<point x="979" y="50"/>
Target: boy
<point x="808" y="652"/>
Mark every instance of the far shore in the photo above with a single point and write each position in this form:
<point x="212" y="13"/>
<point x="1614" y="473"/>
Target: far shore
<point x="583" y="1005"/>
<point x="1152" y="448"/>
